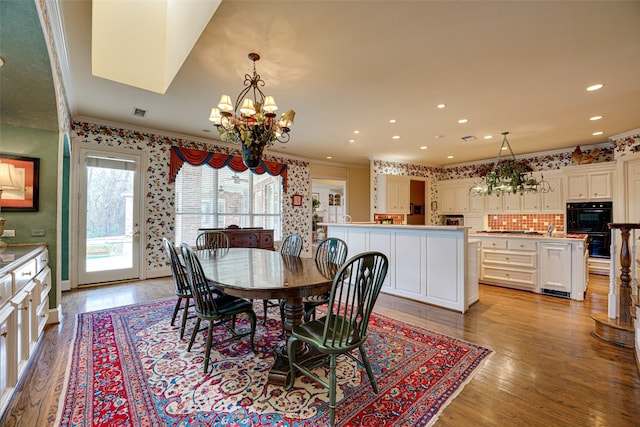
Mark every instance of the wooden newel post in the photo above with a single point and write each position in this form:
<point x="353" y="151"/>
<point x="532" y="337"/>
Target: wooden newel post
<point x="625" y="301"/>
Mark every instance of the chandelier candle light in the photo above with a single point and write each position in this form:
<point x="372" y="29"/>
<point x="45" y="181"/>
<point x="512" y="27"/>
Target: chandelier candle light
<point x="251" y="121"/>
<point x="509" y="176"/>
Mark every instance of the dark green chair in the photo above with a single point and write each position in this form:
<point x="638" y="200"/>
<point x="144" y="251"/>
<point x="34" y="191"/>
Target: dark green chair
<point x="331" y="250"/>
<point x="212" y="241"/>
<point x="180" y="283"/>
<point x="212" y="307"/>
<point x="355" y="288"/>
<point x="292" y="246"/>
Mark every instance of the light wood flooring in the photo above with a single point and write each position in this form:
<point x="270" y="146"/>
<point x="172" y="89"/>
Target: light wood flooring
<point x="548" y="369"/>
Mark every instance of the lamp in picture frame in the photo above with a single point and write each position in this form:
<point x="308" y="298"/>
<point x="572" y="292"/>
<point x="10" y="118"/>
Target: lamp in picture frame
<point x="8" y="181"/>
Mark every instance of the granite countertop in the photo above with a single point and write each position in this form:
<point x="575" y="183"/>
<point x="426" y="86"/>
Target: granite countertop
<point x="528" y="235"/>
<point x="11" y="255"/>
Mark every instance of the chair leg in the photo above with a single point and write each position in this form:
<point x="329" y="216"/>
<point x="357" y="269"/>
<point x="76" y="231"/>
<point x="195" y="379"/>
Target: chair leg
<point x="252" y="317"/>
<point x="367" y="365"/>
<point x="207" y="353"/>
<point x="332" y="390"/>
<point x="281" y="304"/>
<point x="291" y="352"/>
<point x="265" y="304"/>
<point x="193" y="334"/>
<point x="184" y="318"/>
<point x="175" y="311"/>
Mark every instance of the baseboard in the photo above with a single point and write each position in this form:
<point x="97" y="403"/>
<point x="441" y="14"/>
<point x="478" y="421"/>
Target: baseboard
<point x="65" y="285"/>
<point x="55" y="315"/>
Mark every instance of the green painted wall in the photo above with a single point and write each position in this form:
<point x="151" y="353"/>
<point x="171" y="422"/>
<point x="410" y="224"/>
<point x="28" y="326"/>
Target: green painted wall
<point x="42" y="144"/>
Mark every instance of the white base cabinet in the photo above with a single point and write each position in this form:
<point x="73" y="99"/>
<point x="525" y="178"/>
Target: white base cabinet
<point x="426" y="263"/>
<point x="25" y="283"/>
<point x="548" y="265"/>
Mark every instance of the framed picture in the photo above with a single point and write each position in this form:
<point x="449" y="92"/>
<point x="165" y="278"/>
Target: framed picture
<point x="24" y="194"/>
<point x="296" y="200"/>
<point x="315" y="196"/>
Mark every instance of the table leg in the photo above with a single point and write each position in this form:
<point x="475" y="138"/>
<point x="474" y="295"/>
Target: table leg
<point x="293" y="314"/>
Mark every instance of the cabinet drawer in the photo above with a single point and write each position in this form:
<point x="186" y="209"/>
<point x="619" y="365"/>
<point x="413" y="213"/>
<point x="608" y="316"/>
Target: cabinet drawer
<point x="42" y="313"/>
<point x="494" y="243"/>
<point x="522" y="245"/>
<point x="512" y="258"/>
<point x="6" y="288"/>
<point x="23" y="274"/>
<point x="521" y="278"/>
<point x="42" y="260"/>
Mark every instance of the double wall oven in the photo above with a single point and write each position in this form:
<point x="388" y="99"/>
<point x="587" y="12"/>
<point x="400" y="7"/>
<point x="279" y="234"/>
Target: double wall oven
<point x="592" y="219"/>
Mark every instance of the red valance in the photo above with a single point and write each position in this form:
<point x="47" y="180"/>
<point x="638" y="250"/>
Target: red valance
<point x="179" y="155"/>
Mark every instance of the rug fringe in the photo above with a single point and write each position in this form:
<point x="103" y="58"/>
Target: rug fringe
<point x="67" y="372"/>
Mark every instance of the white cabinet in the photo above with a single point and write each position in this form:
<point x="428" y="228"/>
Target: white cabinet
<point x="509" y="262"/>
<point x="511" y="202"/>
<point x="477" y="204"/>
<point x="553" y="201"/>
<point x="25" y="284"/>
<point x="494" y="203"/>
<point x="454" y="196"/>
<point x="393" y="194"/>
<point x="555" y="269"/>
<point x="590" y="182"/>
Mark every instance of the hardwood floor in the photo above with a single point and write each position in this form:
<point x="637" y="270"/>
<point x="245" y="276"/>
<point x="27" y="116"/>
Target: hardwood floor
<point x="548" y="369"/>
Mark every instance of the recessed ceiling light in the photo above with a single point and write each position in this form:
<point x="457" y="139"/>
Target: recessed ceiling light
<point x="595" y="87"/>
<point x="595" y="118"/>
<point x="441" y="106"/>
<point x="329" y="157"/>
<point x="206" y="130"/>
<point x="351" y="141"/>
<point x="438" y="136"/>
<point x="488" y="136"/>
<point x="504" y="148"/>
<point x="449" y="157"/>
<point x="461" y="121"/>
<point x="395" y="137"/>
<point x="424" y="147"/>
<point x="1" y="61"/>
<point x="597" y="133"/>
<point x="392" y="121"/>
<point x="356" y="131"/>
<point x="468" y="138"/>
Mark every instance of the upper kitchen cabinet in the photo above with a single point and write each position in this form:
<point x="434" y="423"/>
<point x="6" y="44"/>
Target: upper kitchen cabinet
<point x="393" y="194"/>
<point x="454" y="196"/>
<point x="590" y="182"/>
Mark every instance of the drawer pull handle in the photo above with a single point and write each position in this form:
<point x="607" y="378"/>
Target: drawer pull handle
<point x="507" y="258"/>
<point x="4" y="334"/>
<point x="522" y="246"/>
<point x="23" y="308"/>
<point x="43" y="315"/>
<point x="26" y="273"/>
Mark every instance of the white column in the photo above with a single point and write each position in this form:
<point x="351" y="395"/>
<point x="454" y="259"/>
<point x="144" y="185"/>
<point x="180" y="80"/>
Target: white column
<point x="613" y="297"/>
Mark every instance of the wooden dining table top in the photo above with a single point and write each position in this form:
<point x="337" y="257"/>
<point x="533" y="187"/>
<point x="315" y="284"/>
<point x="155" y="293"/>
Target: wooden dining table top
<point x="265" y="274"/>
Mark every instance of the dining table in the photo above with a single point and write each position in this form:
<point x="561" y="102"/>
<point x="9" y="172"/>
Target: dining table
<point x="255" y="273"/>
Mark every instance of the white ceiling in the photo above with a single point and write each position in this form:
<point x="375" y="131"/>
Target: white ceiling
<point x="520" y="66"/>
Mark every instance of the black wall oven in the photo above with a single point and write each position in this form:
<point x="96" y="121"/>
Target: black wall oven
<point x="592" y="219"/>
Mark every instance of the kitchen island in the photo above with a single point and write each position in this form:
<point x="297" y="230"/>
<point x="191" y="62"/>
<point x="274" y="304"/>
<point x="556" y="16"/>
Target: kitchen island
<point x="552" y="265"/>
<point x="432" y="264"/>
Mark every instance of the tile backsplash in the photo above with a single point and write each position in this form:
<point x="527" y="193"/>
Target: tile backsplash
<point x="525" y="222"/>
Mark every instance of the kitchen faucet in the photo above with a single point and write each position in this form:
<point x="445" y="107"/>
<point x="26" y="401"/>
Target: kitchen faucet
<point x="550" y="229"/>
<point x="347" y="219"/>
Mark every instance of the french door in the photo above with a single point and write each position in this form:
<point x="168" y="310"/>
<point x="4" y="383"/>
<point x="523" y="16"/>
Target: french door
<point x="108" y="216"/>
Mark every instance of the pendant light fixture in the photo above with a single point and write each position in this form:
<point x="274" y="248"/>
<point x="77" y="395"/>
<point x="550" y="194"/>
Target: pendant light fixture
<point x="509" y="176"/>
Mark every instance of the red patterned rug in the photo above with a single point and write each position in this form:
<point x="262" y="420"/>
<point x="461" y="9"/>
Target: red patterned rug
<point x="129" y="367"/>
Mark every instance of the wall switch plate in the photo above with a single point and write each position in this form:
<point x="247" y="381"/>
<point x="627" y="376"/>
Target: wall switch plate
<point x="9" y="233"/>
<point x="38" y="232"/>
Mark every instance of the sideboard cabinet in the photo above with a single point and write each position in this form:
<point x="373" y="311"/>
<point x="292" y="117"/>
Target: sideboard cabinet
<point x="246" y="237"/>
<point x="25" y="283"/>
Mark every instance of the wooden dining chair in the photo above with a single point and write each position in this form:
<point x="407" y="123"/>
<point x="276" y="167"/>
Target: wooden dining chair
<point x="331" y="250"/>
<point x="180" y="283"/>
<point x="212" y="307"/>
<point x="354" y="291"/>
<point x="212" y="240"/>
<point x="292" y="246"/>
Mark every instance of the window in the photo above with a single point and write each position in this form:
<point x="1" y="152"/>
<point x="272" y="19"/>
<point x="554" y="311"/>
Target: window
<point x="218" y="198"/>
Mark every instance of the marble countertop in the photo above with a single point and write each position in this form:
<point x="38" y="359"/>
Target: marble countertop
<point x="10" y="256"/>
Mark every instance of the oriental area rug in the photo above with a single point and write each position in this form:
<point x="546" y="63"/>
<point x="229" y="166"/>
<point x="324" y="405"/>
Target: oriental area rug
<point x="130" y="368"/>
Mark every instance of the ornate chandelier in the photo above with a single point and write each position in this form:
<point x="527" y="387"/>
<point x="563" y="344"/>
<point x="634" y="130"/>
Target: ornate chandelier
<point x="251" y="121"/>
<point x="509" y="176"/>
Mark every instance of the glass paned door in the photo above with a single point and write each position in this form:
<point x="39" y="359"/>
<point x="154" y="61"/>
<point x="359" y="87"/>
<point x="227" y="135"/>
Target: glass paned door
<point x="108" y="217"/>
